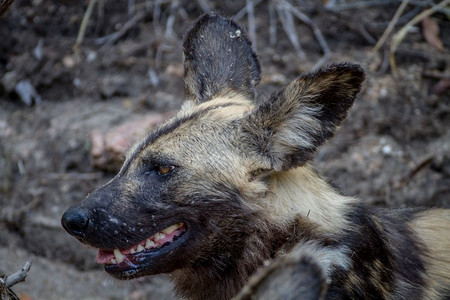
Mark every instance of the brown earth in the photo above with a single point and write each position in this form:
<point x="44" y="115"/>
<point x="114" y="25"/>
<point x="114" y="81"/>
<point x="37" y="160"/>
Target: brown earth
<point x="392" y="151"/>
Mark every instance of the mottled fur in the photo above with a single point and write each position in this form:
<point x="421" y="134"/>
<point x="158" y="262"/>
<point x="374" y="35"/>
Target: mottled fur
<point x="242" y="185"/>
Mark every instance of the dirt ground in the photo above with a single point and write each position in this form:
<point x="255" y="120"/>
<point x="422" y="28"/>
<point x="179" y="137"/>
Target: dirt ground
<point x="392" y="151"/>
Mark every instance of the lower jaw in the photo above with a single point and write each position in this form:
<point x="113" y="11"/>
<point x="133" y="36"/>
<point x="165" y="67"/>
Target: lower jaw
<point x="123" y="274"/>
<point x="164" y="260"/>
<point x="134" y="266"/>
<point x="125" y="271"/>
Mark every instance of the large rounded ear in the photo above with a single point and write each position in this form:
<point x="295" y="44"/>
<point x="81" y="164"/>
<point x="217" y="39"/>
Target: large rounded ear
<point x="218" y="60"/>
<point x="286" y="129"/>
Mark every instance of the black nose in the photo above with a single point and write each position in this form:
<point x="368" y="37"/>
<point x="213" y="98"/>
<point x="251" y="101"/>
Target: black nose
<point x="75" y="220"/>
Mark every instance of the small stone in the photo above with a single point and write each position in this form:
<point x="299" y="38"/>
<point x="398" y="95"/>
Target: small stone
<point x="68" y="61"/>
<point x="108" y="148"/>
<point x="27" y="92"/>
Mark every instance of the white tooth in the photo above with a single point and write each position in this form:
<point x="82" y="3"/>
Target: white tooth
<point x="159" y="236"/>
<point x="149" y="244"/>
<point x="170" y="229"/>
<point x="132" y="251"/>
<point x="119" y="256"/>
<point x="113" y="261"/>
<point x="140" y="248"/>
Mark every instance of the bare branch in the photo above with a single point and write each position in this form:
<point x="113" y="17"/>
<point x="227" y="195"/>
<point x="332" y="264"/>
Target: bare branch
<point x="111" y="39"/>
<point x="84" y="22"/>
<point x="240" y="14"/>
<point x="204" y="5"/>
<point x="419" y="167"/>
<point x="4" y="4"/>
<point x="358" y="5"/>
<point x="131" y="7"/>
<point x="287" y="22"/>
<point x="400" y="35"/>
<point x="251" y="22"/>
<point x="391" y="25"/>
<point x="169" y="33"/>
<point x="317" y="33"/>
<point x="272" y="24"/>
<point x="156" y="16"/>
<point x="19" y="276"/>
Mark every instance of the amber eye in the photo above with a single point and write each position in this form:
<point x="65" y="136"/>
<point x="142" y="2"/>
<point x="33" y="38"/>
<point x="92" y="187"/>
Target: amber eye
<point x="164" y="170"/>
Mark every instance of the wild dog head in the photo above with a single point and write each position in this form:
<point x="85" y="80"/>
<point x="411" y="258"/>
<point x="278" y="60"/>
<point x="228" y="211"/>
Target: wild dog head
<point x="193" y="192"/>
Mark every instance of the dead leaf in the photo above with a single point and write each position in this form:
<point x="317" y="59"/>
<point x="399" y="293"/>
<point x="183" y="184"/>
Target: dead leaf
<point x="25" y="296"/>
<point x="442" y="86"/>
<point x="430" y="31"/>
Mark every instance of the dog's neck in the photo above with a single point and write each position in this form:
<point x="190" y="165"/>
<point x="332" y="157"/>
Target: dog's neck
<point x="300" y="203"/>
<point x="302" y="193"/>
<point x="221" y="277"/>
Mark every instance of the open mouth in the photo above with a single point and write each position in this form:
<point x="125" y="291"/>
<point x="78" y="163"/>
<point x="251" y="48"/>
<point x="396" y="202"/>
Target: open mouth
<point x="126" y="260"/>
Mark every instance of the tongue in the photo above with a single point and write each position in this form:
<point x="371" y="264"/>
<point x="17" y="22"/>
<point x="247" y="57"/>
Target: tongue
<point x="104" y="256"/>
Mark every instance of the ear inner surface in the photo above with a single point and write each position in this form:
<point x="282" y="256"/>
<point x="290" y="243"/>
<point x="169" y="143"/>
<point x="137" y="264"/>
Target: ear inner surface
<point x="293" y="123"/>
<point x="218" y="60"/>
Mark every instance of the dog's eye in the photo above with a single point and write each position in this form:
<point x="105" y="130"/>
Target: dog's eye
<point x="164" y="170"/>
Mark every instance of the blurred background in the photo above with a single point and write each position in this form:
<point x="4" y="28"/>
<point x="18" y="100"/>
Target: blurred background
<point x="82" y="80"/>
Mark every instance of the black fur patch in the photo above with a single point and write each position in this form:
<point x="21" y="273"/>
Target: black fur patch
<point x="408" y="252"/>
<point x="368" y="245"/>
<point x="219" y="59"/>
<point x="379" y="267"/>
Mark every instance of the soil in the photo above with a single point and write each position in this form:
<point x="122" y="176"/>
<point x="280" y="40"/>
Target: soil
<point x="392" y="151"/>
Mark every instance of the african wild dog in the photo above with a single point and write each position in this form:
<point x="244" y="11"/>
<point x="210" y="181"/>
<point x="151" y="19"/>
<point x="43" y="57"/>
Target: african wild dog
<point x="225" y="186"/>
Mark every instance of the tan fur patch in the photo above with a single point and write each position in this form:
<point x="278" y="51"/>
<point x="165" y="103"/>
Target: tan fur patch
<point x="300" y="192"/>
<point x="235" y="111"/>
<point x="433" y="229"/>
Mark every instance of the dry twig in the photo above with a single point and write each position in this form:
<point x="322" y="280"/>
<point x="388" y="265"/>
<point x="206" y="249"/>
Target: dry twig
<point x="240" y="14"/>
<point x="400" y="35"/>
<point x="419" y="167"/>
<point x="82" y="30"/>
<point x="358" y="5"/>
<point x="272" y="24"/>
<point x="391" y="25"/>
<point x="317" y="33"/>
<point x="436" y="75"/>
<point x="12" y="215"/>
<point x="169" y="33"/>
<point x="250" y="7"/>
<point x="204" y="5"/>
<point x="109" y="40"/>
<point x="131" y="7"/>
<point x="362" y="4"/>
<point x="156" y="16"/>
<point x="6" y="282"/>
<point x="288" y="25"/>
<point x="18" y="276"/>
<point x="4" y="4"/>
